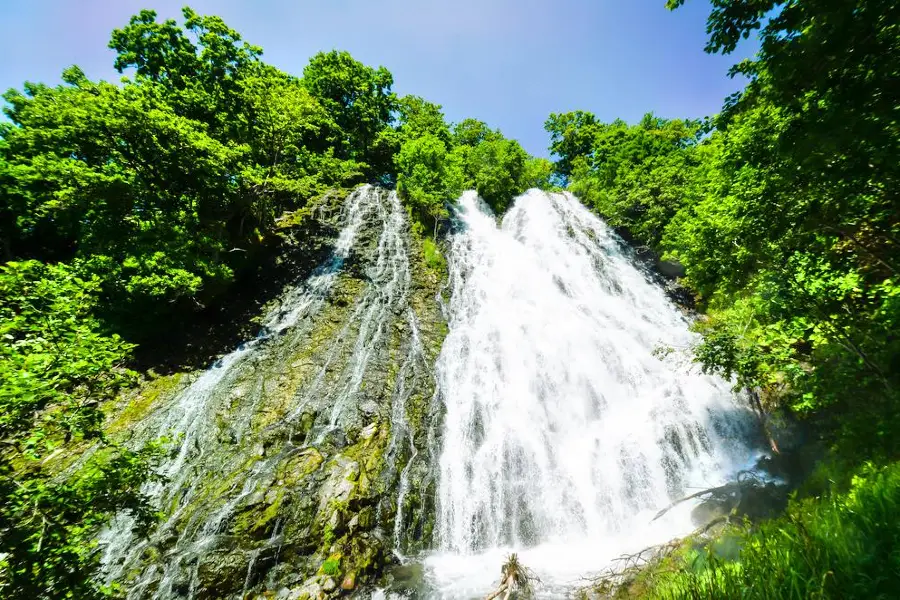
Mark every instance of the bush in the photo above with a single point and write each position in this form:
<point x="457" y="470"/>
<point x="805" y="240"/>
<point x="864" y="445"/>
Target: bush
<point x="838" y="546"/>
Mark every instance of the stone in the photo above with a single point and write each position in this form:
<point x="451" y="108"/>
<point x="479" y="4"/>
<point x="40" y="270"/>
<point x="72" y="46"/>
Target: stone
<point x="353" y="524"/>
<point x="329" y="585"/>
<point x="366" y="518"/>
<point x="368" y="431"/>
<point x="310" y="589"/>
<point x="334" y="521"/>
<point x="349" y="581"/>
<point x="670" y="268"/>
<point x="369" y="408"/>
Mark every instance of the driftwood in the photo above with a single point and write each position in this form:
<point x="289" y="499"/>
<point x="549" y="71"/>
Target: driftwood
<point x="515" y="577"/>
<point x="627" y="566"/>
<point x="722" y="489"/>
<point x="744" y="480"/>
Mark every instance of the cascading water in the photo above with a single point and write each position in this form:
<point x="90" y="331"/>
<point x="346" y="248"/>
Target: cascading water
<point x="345" y="436"/>
<point x="258" y="438"/>
<point x="564" y="430"/>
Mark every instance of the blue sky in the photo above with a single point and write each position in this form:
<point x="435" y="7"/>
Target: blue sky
<point x="508" y="62"/>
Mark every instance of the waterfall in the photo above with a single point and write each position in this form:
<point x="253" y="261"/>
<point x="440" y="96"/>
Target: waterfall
<point x="565" y="430"/>
<point x="314" y="377"/>
<point x="545" y="422"/>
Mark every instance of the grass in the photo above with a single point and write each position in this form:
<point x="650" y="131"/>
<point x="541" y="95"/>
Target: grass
<point x="842" y="545"/>
<point x="433" y="257"/>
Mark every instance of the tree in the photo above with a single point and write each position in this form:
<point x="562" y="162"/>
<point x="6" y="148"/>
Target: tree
<point x="637" y="177"/>
<point x="471" y="132"/>
<point x="498" y="170"/>
<point x="358" y="98"/>
<point x="56" y="368"/>
<point x="113" y="178"/>
<point x="802" y="220"/>
<point x="428" y="176"/>
<point x="201" y="66"/>
<point x="571" y="136"/>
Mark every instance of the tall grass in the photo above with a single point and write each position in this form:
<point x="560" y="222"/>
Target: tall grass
<point x="839" y="546"/>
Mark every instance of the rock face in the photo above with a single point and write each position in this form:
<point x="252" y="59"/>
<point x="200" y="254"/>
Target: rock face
<point x="296" y="463"/>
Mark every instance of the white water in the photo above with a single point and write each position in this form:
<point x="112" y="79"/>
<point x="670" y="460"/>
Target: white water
<point x="564" y="433"/>
<point x="192" y="420"/>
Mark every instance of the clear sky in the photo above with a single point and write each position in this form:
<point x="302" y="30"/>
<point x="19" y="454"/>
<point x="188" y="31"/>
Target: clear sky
<point x="508" y="62"/>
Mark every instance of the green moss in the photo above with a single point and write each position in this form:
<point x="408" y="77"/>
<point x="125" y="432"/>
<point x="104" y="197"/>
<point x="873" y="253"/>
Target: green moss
<point x="331" y="566"/>
<point x="317" y="206"/>
<point x="328" y="536"/>
<point x="143" y="401"/>
<point x="433" y="256"/>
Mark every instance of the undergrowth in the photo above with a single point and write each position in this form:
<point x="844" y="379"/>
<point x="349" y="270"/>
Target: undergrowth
<point x="842" y="545"/>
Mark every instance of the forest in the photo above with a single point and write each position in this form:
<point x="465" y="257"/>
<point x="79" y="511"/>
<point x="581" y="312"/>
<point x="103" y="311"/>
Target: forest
<point x="128" y="208"/>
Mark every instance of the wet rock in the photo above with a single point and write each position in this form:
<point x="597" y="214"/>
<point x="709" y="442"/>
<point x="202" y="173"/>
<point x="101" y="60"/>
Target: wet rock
<point x="710" y="510"/>
<point x="221" y="572"/>
<point x="369" y="408"/>
<point x="670" y="268"/>
<point x="335" y="438"/>
<point x="308" y="502"/>
<point x="287" y="574"/>
<point x="310" y="590"/>
<point x="343" y="472"/>
<point x="349" y="581"/>
<point x="366" y="518"/>
<point x="368" y="431"/>
<point x="406" y="579"/>
<point x="353" y="525"/>
<point x="259" y="450"/>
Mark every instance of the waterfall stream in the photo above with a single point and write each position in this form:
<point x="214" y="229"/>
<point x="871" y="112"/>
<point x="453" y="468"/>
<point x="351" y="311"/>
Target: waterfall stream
<point x="546" y="422"/>
<point x="298" y="390"/>
<point x="565" y="429"/>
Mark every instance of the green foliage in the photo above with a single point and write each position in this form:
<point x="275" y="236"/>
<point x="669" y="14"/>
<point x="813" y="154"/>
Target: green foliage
<point x="571" y="137"/>
<point x="358" y="98"/>
<point x="538" y="174"/>
<point x="56" y="367"/>
<point x="111" y="175"/>
<point x="471" y="132"/>
<point x="418" y="117"/>
<point x="331" y="566"/>
<point x="638" y="176"/>
<point x="799" y="218"/>
<point x="498" y="170"/>
<point x="436" y="163"/>
<point x="428" y="176"/>
<point x="839" y="546"/>
<point x="433" y="257"/>
<point x="163" y="187"/>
